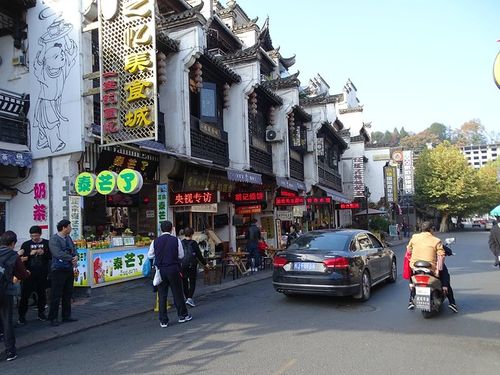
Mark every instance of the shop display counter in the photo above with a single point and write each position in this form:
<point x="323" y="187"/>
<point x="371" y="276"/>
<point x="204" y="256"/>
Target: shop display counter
<point x="100" y="267"/>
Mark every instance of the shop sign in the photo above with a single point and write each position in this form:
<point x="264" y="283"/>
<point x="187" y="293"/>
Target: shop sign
<point x="358" y="177"/>
<point x="287" y="193"/>
<point x="121" y="265"/>
<point x="391" y="184"/>
<point x="284" y="215"/>
<point x="285" y="201"/>
<point x="161" y="204"/>
<point x="348" y="206"/>
<point x="40" y="209"/>
<point x="298" y="211"/>
<point x="320" y="146"/>
<point x="290" y="184"/>
<point x="85" y="184"/>
<point x="408" y="186"/>
<point x="244" y="176"/>
<point x="208" y="208"/>
<point x="82" y="271"/>
<point x="129" y="181"/>
<point x="106" y="182"/>
<point x="75" y="216"/>
<point x="116" y="162"/>
<point x="318" y="200"/>
<point x="247" y="210"/>
<point x="193" y="197"/>
<point x="253" y="196"/>
<point x="210" y="130"/>
<point x="128" y="71"/>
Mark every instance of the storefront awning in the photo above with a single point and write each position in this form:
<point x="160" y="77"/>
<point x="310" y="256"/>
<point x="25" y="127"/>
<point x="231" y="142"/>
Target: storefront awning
<point x="15" y="155"/>
<point x="290" y="184"/>
<point x="244" y="176"/>
<point x="336" y="195"/>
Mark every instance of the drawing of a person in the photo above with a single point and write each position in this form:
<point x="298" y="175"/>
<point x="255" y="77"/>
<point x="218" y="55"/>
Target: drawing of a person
<point x="52" y="66"/>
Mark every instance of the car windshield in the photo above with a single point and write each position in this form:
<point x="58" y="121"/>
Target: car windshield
<point x="321" y="241"/>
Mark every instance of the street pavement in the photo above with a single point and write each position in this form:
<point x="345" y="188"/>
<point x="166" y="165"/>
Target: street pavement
<point x="252" y="329"/>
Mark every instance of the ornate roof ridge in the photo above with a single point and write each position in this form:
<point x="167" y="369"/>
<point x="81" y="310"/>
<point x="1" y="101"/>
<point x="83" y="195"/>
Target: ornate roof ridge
<point x="188" y="13"/>
<point x="321" y="99"/>
<point x="242" y="53"/>
<point x="248" y="25"/>
<point x="286" y="82"/>
<point x="358" y="108"/>
<point x="169" y="44"/>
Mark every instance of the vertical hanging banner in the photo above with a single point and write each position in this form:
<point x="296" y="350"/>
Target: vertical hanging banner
<point x="391" y="184"/>
<point x="75" y="216"/>
<point x="55" y="72"/>
<point x="408" y="186"/>
<point x="127" y="37"/>
<point x="161" y="204"/>
<point x="358" y="177"/>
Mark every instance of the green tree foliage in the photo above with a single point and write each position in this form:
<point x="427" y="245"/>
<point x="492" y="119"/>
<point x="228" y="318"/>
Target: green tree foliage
<point x="403" y="133"/>
<point x="439" y="130"/>
<point x="419" y="141"/>
<point x="444" y="181"/>
<point x="489" y="188"/>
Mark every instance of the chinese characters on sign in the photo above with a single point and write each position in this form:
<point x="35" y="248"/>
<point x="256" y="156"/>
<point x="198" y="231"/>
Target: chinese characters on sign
<point x="161" y="204"/>
<point x="249" y="197"/>
<point x="391" y="184"/>
<point x="115" y="266"/>
<point x="193" y="197"/>
<point x="107" y="183"/>
<point x="286" y="201"/>
<point x="247" y="210"/>
<point x="348" y="206"/>
<point x="39" y="209"/>
<point x="75" y="216"/>
<point x="128" y="66"/>
<point x="358" y="176"/>
<point x="85" y="184"/>
<point x="319" y="200"/>
<point x="408" y="187"/>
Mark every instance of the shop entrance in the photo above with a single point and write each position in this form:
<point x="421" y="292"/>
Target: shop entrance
<point x="199" y="221"/>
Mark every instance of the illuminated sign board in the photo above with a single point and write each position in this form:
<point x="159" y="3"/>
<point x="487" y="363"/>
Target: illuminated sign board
<point x="249" y="196"/>
<point x="289" y="201"/>
<point x="348" y="206"/>
<point x="247" y="210"/>
<point x="187" y="198"/>
<point x="319" y="200"/>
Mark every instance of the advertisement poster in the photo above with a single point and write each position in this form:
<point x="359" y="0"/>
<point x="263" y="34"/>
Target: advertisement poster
<point x="82" y="272"/>
<point x="120" y="265"/>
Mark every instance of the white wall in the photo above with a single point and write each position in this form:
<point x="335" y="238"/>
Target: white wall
<point x="374" y="171"/>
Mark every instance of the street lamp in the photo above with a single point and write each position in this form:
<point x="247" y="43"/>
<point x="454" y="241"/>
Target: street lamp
<point x="367" y="195"/>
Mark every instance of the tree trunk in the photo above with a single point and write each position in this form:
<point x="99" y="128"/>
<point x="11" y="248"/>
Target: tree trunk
<point x="444" y="223"/>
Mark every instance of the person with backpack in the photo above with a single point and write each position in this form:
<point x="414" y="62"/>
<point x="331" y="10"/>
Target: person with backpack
<point x="11" y="270"/>
<point x="189" y="265"/>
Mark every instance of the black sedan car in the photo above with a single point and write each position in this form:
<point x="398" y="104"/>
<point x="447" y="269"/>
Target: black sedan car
<point x="345" y="262"/>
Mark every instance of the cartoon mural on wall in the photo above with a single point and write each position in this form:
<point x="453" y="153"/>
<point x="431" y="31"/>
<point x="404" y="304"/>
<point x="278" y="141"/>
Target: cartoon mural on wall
<point x="56" y="116"/>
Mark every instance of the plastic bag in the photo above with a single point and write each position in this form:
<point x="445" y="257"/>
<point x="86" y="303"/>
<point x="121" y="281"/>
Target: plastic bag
<point x="146" y="268"/>
<point x="406" y="266"/>
<point x="157" y="279"/>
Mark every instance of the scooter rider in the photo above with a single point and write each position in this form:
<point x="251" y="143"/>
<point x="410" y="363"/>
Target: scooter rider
<point x="425" y="246"/>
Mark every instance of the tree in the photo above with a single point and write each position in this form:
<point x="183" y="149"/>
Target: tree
<point x="419" y="141"/>
<point x="377" y="138"/>
<point x="439" y="130"/>
<point x="470" y="133"/>
<point x="444" y="181"/>
<point x="403" y="133"/>
<point x="489" y="188"/>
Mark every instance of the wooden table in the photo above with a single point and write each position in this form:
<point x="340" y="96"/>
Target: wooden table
<point x="239" y="259"/>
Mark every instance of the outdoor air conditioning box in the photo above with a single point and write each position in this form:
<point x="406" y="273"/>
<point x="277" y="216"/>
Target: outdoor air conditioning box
<point x="274" y="135"/>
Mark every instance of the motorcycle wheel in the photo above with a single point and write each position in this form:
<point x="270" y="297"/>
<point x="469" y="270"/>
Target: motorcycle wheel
<point x="426" y="314"/>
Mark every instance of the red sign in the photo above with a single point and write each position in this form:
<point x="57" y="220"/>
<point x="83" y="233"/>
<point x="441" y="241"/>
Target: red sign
<point x="287" y="193"/>
<point x="286" y="201"/>
<point x="246" y="210"/>
<point x="349" y="206"/>
<point x="249" y="197"/>
<point x="320" y="200"/>
<point x="193" y="197"/>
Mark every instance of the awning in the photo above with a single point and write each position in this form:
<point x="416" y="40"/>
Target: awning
<point x="336" y="195"/>
<point x="290" y="184"/>
<point x="371" y="211"/>
<point x="15" y="155"/>
<point x="244" y="176"/>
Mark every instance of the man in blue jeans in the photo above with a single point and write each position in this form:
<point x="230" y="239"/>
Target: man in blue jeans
<point x="167" y="251"/>
<point x="253" y="236"/>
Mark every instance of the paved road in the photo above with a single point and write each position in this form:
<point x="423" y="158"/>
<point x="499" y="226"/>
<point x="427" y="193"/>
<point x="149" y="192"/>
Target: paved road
<point x="253" y="330"/>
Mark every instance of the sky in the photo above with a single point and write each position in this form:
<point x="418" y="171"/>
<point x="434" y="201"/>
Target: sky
<point x="412" y="62"/>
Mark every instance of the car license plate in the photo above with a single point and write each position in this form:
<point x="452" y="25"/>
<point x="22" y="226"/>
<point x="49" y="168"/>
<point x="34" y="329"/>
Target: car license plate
<point x="304" y="266"/>
<point x="423" y="298"/>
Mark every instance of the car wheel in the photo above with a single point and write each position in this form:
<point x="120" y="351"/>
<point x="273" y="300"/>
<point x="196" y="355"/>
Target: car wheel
<point x="366" y="287"/>
<point x="394" y="272"/>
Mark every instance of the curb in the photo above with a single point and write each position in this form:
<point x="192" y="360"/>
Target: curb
<point x="83" y="325"/>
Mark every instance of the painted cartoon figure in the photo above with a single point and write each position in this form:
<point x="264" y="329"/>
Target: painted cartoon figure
<point x="98" y="271"/>
<point x="52" y="66"/>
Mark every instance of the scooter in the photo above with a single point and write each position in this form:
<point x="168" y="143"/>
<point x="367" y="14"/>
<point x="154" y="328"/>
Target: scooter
<point x="429" y="294"/>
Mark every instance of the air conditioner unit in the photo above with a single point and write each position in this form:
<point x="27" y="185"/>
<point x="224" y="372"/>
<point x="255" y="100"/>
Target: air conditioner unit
<point x="274" y="135"/>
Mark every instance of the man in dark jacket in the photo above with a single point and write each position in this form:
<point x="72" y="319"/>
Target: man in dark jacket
<point x="494" y="241"/>
<point x="64" y="259"/>
<point x="253" y="236"/>
<point x="13" y="268"/>
<point x="167" y="252"/>
<point x="292" y="236"/>
<point x="36" y="256"/>
<point x="192" y="255"/>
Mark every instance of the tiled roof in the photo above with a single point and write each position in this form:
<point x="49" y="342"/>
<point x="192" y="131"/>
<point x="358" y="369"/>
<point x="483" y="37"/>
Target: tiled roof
<point x="298" y="110"/>
<point x="244" y="27"/>
<point x="217" y="63"/>
<point x="166" y="44"/>
<point x="270" y="95"/>
<point x="282" y="83"/>
<point x="251" y="53"/>
<point x="178" y="18"/>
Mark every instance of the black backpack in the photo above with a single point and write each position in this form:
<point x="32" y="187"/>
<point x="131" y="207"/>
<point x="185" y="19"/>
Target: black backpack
<point x="6" y="275"/>
<point x="189" y="260"/>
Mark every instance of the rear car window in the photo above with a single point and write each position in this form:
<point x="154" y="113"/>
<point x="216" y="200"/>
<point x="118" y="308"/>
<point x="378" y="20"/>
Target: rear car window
<point x="321" y="241"/>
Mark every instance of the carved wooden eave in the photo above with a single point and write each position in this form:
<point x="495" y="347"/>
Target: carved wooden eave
<point x="321" y="99"/>
<point x="216" y="65"/>
<point x="287" y="62"/>
<point x="168" y="7"/>
<point x="269" y="95"/>
<point x="250" y="54"/>
<point x="283" y="83"/>
<point x="231" y="10"/>
<point x="327" y="128"/>
<point x="358" y="108"/>
<point x="220" y="26"/>
<point x="299" y="112"/>
<point x="185" y="18"/>
<point x="252" y="25"/>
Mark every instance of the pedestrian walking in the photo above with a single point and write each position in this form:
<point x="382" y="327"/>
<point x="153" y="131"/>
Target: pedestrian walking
<point x="36" y="257"/>
<point x="64" y="260"/>
<point x="494" y="241"/>
<point x="189" y="265"/>
<point x="253" y="236"/>
<point x="167" y="252"/>
<point x="11" y="271"/>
